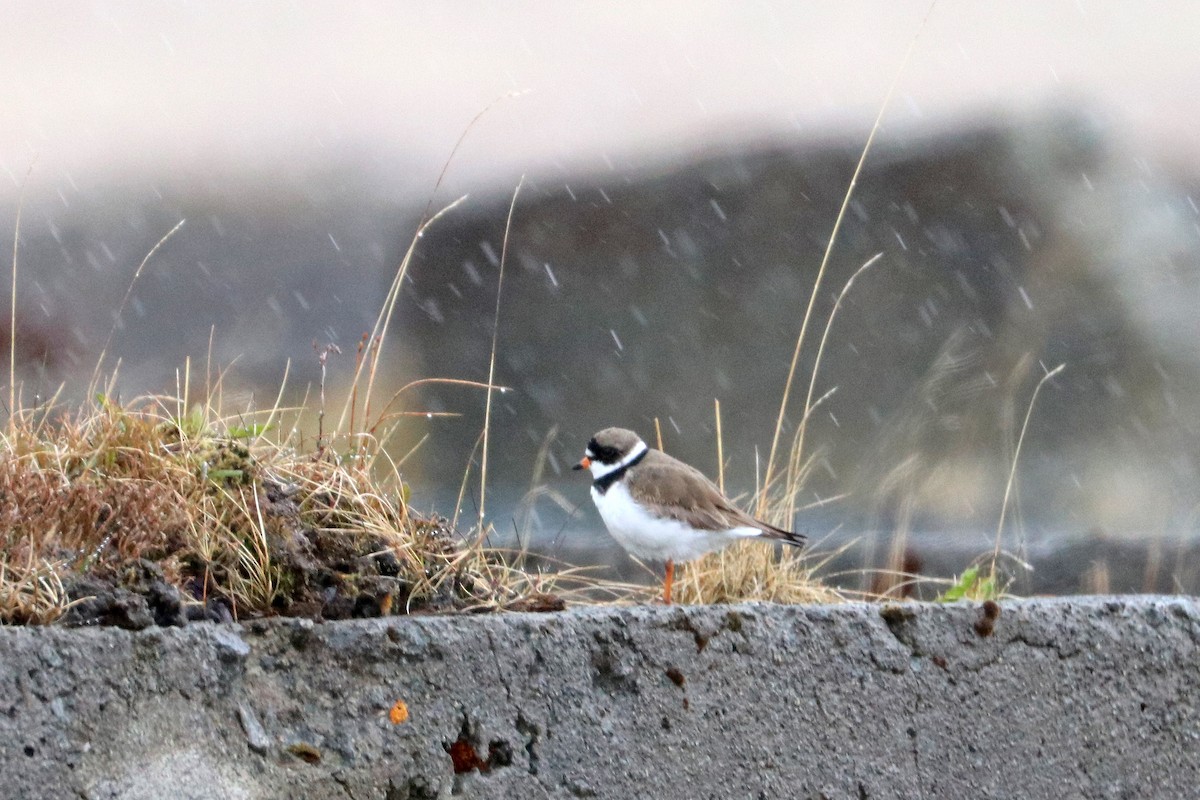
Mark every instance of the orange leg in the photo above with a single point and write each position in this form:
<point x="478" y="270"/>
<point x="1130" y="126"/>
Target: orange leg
<point x="668" y="582"/>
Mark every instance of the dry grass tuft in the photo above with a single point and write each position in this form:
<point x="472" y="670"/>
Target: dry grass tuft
<point x="227" y="519"/>
<point x="32" y="594"/>
<point x="756" y="572"/>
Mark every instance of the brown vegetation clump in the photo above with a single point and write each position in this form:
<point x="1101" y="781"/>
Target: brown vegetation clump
<point x="133" y="516"/>
<point x="752" y="571"/>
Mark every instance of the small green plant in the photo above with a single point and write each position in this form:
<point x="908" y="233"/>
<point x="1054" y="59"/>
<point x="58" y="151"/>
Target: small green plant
<point x="972" y="585"/>
<point x="251" y="431"/>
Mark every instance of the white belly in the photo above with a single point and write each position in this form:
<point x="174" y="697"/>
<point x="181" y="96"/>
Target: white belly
<point x="652" y="538"/>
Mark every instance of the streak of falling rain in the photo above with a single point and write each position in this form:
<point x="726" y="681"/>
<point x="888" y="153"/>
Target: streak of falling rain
<point x="1025" y="297"/>
<point x="716" y="207"/>
<point x="334" y="242"/>
<point x="616" y="339"/>
<point x="604" y="194"/>
<point x="489" y="253"/>
<point x="574" y="199"/>
<point x="472" y="273"/>
<point x="666" y="240"/>
<point x="925" y="312"/>
<point x="431" y="307"/>
<point x="550" y="275"/>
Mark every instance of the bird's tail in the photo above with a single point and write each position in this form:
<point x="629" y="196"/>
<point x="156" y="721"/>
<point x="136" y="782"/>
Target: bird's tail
<point x="780" y="535"/>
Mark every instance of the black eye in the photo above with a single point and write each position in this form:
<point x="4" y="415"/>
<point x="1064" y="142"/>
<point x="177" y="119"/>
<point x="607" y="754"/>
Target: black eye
<point x="603" y="453"/>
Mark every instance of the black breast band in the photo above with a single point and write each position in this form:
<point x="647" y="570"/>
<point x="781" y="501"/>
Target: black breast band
<point x="605" y="482"/>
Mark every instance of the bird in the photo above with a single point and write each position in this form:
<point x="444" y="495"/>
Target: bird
<point x="659" y="508"/>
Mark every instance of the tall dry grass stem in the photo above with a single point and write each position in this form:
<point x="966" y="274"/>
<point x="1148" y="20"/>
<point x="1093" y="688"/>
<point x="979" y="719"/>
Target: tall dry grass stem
<point x="1012" y="472"/>
<point x="461" y="138"/>
<point x="487" y="412"/>
<point x="12" y="318"/>
<point x="720" y="447"/>
<point x="275" y="407"/>
<point x="380" y="328"/>
<point x="812" y="381"/>
<point x="323" y="352"/>
<point x="385" y="414"/>
<point x="837" y="225"/>
<point x="383" y="321"/>
<point x="137" y="273"/>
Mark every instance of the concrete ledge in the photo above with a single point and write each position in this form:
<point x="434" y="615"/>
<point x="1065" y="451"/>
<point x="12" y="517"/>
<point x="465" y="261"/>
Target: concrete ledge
<point x="1082" y="697"/>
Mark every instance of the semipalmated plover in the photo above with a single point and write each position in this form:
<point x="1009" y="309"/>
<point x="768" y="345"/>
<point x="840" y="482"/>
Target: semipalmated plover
<point x="659" y="508"/>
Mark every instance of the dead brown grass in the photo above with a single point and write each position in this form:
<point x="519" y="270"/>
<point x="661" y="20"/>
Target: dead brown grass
<point x="227" y="515"/>
<point x="754" y="571"/>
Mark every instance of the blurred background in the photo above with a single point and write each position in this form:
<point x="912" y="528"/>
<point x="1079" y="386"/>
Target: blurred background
<point x="1033" y="190"/>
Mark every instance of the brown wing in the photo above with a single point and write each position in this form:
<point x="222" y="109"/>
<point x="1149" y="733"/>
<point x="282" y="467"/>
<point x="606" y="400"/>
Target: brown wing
<point x="678" y="491"/>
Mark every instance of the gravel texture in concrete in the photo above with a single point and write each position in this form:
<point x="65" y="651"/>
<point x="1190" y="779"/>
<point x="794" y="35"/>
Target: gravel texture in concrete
<point x="1081" y="697"/>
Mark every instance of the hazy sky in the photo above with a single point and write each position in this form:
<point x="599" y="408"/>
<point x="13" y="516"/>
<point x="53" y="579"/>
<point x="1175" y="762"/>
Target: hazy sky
<point x="95" y="86"/>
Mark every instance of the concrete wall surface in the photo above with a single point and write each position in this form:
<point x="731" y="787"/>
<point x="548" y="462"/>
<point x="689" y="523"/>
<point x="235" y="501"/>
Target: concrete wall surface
<point x="1062" y="698"/>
